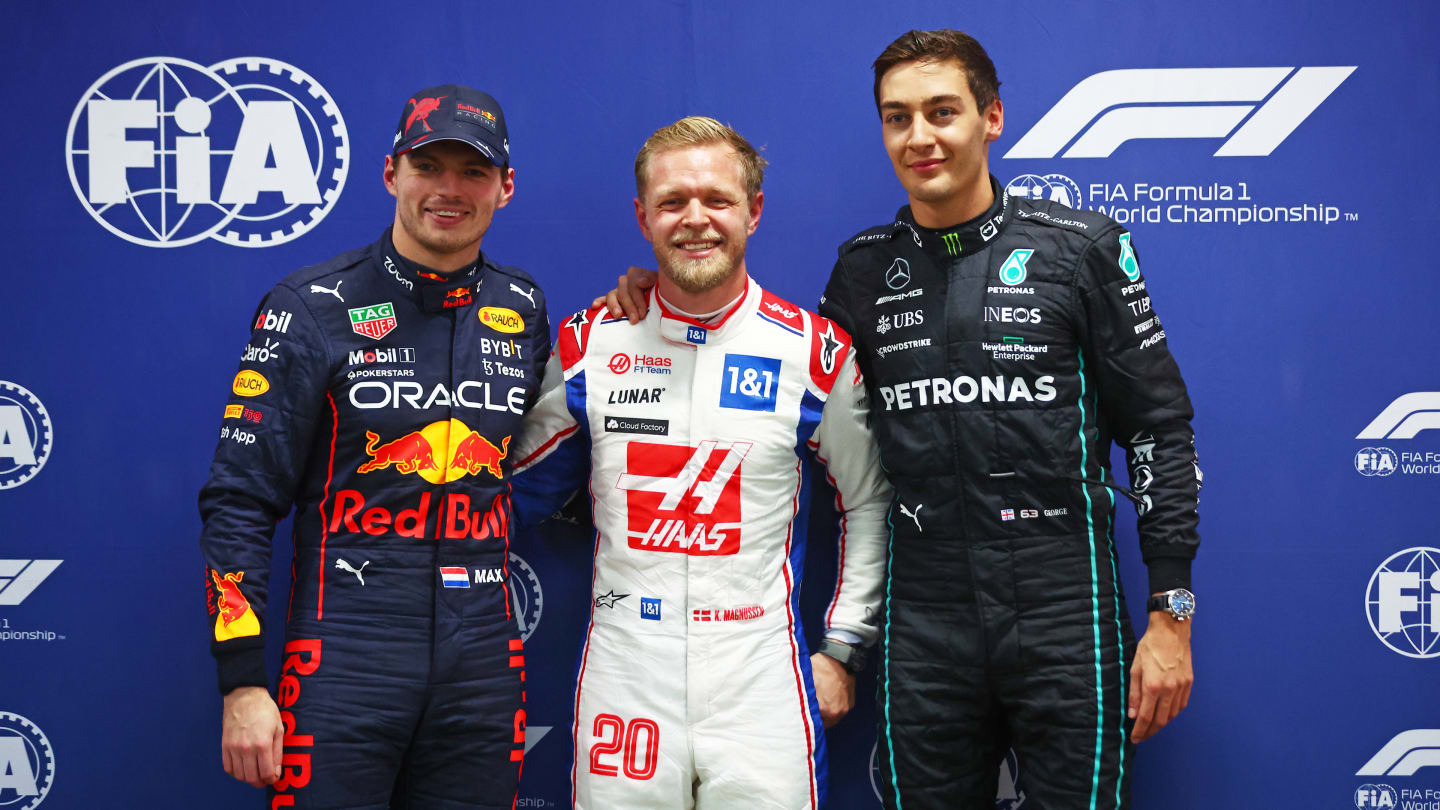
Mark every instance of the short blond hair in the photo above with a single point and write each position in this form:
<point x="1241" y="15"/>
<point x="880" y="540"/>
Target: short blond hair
<point x="699" y="130"/>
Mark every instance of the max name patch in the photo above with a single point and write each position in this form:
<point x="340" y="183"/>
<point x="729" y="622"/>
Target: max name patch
<point x="750" y="383"/>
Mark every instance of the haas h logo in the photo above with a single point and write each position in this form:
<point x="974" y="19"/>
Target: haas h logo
<point x="684" y="500"/>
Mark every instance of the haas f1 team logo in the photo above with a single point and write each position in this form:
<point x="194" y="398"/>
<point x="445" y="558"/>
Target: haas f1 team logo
<point x="164" y="152"/>
<point x="684" y="499"/>
<point x="439" y="452"/>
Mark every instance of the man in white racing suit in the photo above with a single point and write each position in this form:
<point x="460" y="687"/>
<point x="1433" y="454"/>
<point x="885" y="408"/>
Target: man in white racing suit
<point x="696" y="429"/>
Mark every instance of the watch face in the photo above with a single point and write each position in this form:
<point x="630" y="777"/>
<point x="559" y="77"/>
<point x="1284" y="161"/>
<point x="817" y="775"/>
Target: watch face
<point x="1182" y="602"/>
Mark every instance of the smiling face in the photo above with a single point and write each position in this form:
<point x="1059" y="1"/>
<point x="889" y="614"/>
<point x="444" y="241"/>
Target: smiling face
<point x="445" y="196"/>
<point x="937" y="140"/>
<point x="697" y="215"/>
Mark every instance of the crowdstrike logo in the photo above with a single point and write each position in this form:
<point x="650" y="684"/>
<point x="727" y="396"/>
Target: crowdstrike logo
<point x="1406" y="753"/>
<point x="1406" y="416"/>
<point x="165" y="152"/>
<point x="1254" y="109"/>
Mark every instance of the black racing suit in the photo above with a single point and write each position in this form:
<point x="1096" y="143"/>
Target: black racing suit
<point x="1002" y="357"/>
<point x="379" y="399"/>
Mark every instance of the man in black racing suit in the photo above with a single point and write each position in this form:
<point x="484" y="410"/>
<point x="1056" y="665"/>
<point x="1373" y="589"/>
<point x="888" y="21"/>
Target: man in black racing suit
<point x="1005" y="343"/>
<point x="378" y="395"/>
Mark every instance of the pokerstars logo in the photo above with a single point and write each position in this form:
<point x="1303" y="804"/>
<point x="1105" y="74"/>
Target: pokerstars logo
<point x="165" y="152"/>
<point x="684" y="499"/>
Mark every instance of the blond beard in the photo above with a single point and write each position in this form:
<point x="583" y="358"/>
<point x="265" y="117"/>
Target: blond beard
<point x="698" y="275"/>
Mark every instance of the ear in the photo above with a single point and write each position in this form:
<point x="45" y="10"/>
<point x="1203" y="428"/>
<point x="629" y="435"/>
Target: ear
<point x="994" y="121"/>
<point x="756" y="206"/>
<point x="507" y="188"/>
<point x="640" y="220"/>
<point x="391" y="166"/>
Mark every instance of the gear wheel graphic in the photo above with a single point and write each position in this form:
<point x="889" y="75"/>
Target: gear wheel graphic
<point x="529" y="599"/>
<point x="38" y="430"/>
<point x="41" y="760"/>
<point x="255" y="78"/>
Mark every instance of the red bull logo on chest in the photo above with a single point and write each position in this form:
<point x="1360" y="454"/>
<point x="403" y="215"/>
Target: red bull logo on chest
<point x="439" y="452"/>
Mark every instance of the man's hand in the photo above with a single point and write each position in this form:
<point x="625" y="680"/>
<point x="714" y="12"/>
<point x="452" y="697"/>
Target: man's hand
<point x="252" y="736"/>
<point x="834" y="688"/>
<point x="1162" y="675"/>
<point x="628" y="297"/>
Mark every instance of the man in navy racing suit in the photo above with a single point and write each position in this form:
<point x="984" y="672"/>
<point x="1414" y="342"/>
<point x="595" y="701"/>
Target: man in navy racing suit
<point x="379" y="395"/>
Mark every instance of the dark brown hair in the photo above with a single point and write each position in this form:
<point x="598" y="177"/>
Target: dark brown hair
<point x="938" y="46"/>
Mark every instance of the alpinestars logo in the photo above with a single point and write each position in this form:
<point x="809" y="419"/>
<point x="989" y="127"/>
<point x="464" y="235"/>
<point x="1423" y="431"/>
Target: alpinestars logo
<point x="164" y="152"/>
<point x="1254" y="109"/>
<point x="683" y="499"/>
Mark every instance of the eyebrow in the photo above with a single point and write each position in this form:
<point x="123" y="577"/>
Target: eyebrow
<point x="948" y="98"/>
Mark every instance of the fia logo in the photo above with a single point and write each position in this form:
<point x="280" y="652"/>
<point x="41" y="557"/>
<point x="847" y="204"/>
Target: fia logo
<point x="164" y="152"/>
<point x="1053" y="187"/>
<point x="527" y="601"/>
<point x="26" y="437"/>
<point x="27" y="763"/>
<point x="1403" y="602"/>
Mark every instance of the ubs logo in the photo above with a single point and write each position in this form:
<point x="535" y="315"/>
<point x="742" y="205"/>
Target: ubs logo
<point x="164" y="152"/>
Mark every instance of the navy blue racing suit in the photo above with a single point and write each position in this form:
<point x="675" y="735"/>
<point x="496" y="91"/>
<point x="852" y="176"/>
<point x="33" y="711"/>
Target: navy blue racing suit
<point x="379" y="399"/>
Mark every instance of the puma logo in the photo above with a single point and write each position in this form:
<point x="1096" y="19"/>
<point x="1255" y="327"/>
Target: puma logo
<point x="316" y="288"/>
<point x="345" y="566"/>
<point x="529" y="295"/>
<point x="915" y="516"/>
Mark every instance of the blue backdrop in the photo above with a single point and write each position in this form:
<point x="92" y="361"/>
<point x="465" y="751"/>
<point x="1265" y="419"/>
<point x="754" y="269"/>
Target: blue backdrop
<point x="1279" y="183"/>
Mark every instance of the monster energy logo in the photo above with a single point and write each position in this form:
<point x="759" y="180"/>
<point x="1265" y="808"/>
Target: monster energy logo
<point x="952" y="243"/>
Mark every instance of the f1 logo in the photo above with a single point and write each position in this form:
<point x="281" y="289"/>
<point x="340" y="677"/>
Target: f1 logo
<point x="19" y="577"/>
<point x="1406" y="416"/>
<point x="1406" y="753"/>
<point x="1209" y="110"/>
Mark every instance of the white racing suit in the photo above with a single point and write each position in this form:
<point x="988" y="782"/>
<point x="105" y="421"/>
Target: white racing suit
<point x="694" y="685"/>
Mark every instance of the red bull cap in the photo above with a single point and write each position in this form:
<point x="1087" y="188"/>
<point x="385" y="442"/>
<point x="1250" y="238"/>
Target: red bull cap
<point x="454" y="112"/>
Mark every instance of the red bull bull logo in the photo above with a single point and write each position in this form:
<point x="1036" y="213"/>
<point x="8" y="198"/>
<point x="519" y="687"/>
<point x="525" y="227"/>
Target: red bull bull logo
<point x="440" y="452"/>
<point x="458" y="297"/>
<point x="236" y="618"/>
<point x="409" y="453"/>
<point x="421" y="112"/>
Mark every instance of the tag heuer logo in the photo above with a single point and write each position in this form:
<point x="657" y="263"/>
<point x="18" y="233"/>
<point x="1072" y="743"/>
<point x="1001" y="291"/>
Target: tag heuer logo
<point x="374" y="322"/>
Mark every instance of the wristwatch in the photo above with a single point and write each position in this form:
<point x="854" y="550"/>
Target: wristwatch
<point x="1178" y="602"/>
<point x="852" y="658"/>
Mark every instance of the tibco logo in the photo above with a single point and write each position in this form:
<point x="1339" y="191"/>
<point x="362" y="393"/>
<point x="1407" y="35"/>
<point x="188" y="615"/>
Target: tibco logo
<point x="165" y="152"/>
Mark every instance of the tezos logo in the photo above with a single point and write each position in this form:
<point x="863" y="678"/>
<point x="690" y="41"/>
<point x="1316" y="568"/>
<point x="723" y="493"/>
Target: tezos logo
<point x="165" y="152"/>
<point x="1370" y="797"/>
<point x="1373" y="461"/>
<point x="1053" y="187"/>
<point x="26" y="761"/>
<point x="26" y="437"/>
<point x="1403" y="602"/>
<point x="526" y="596"/>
